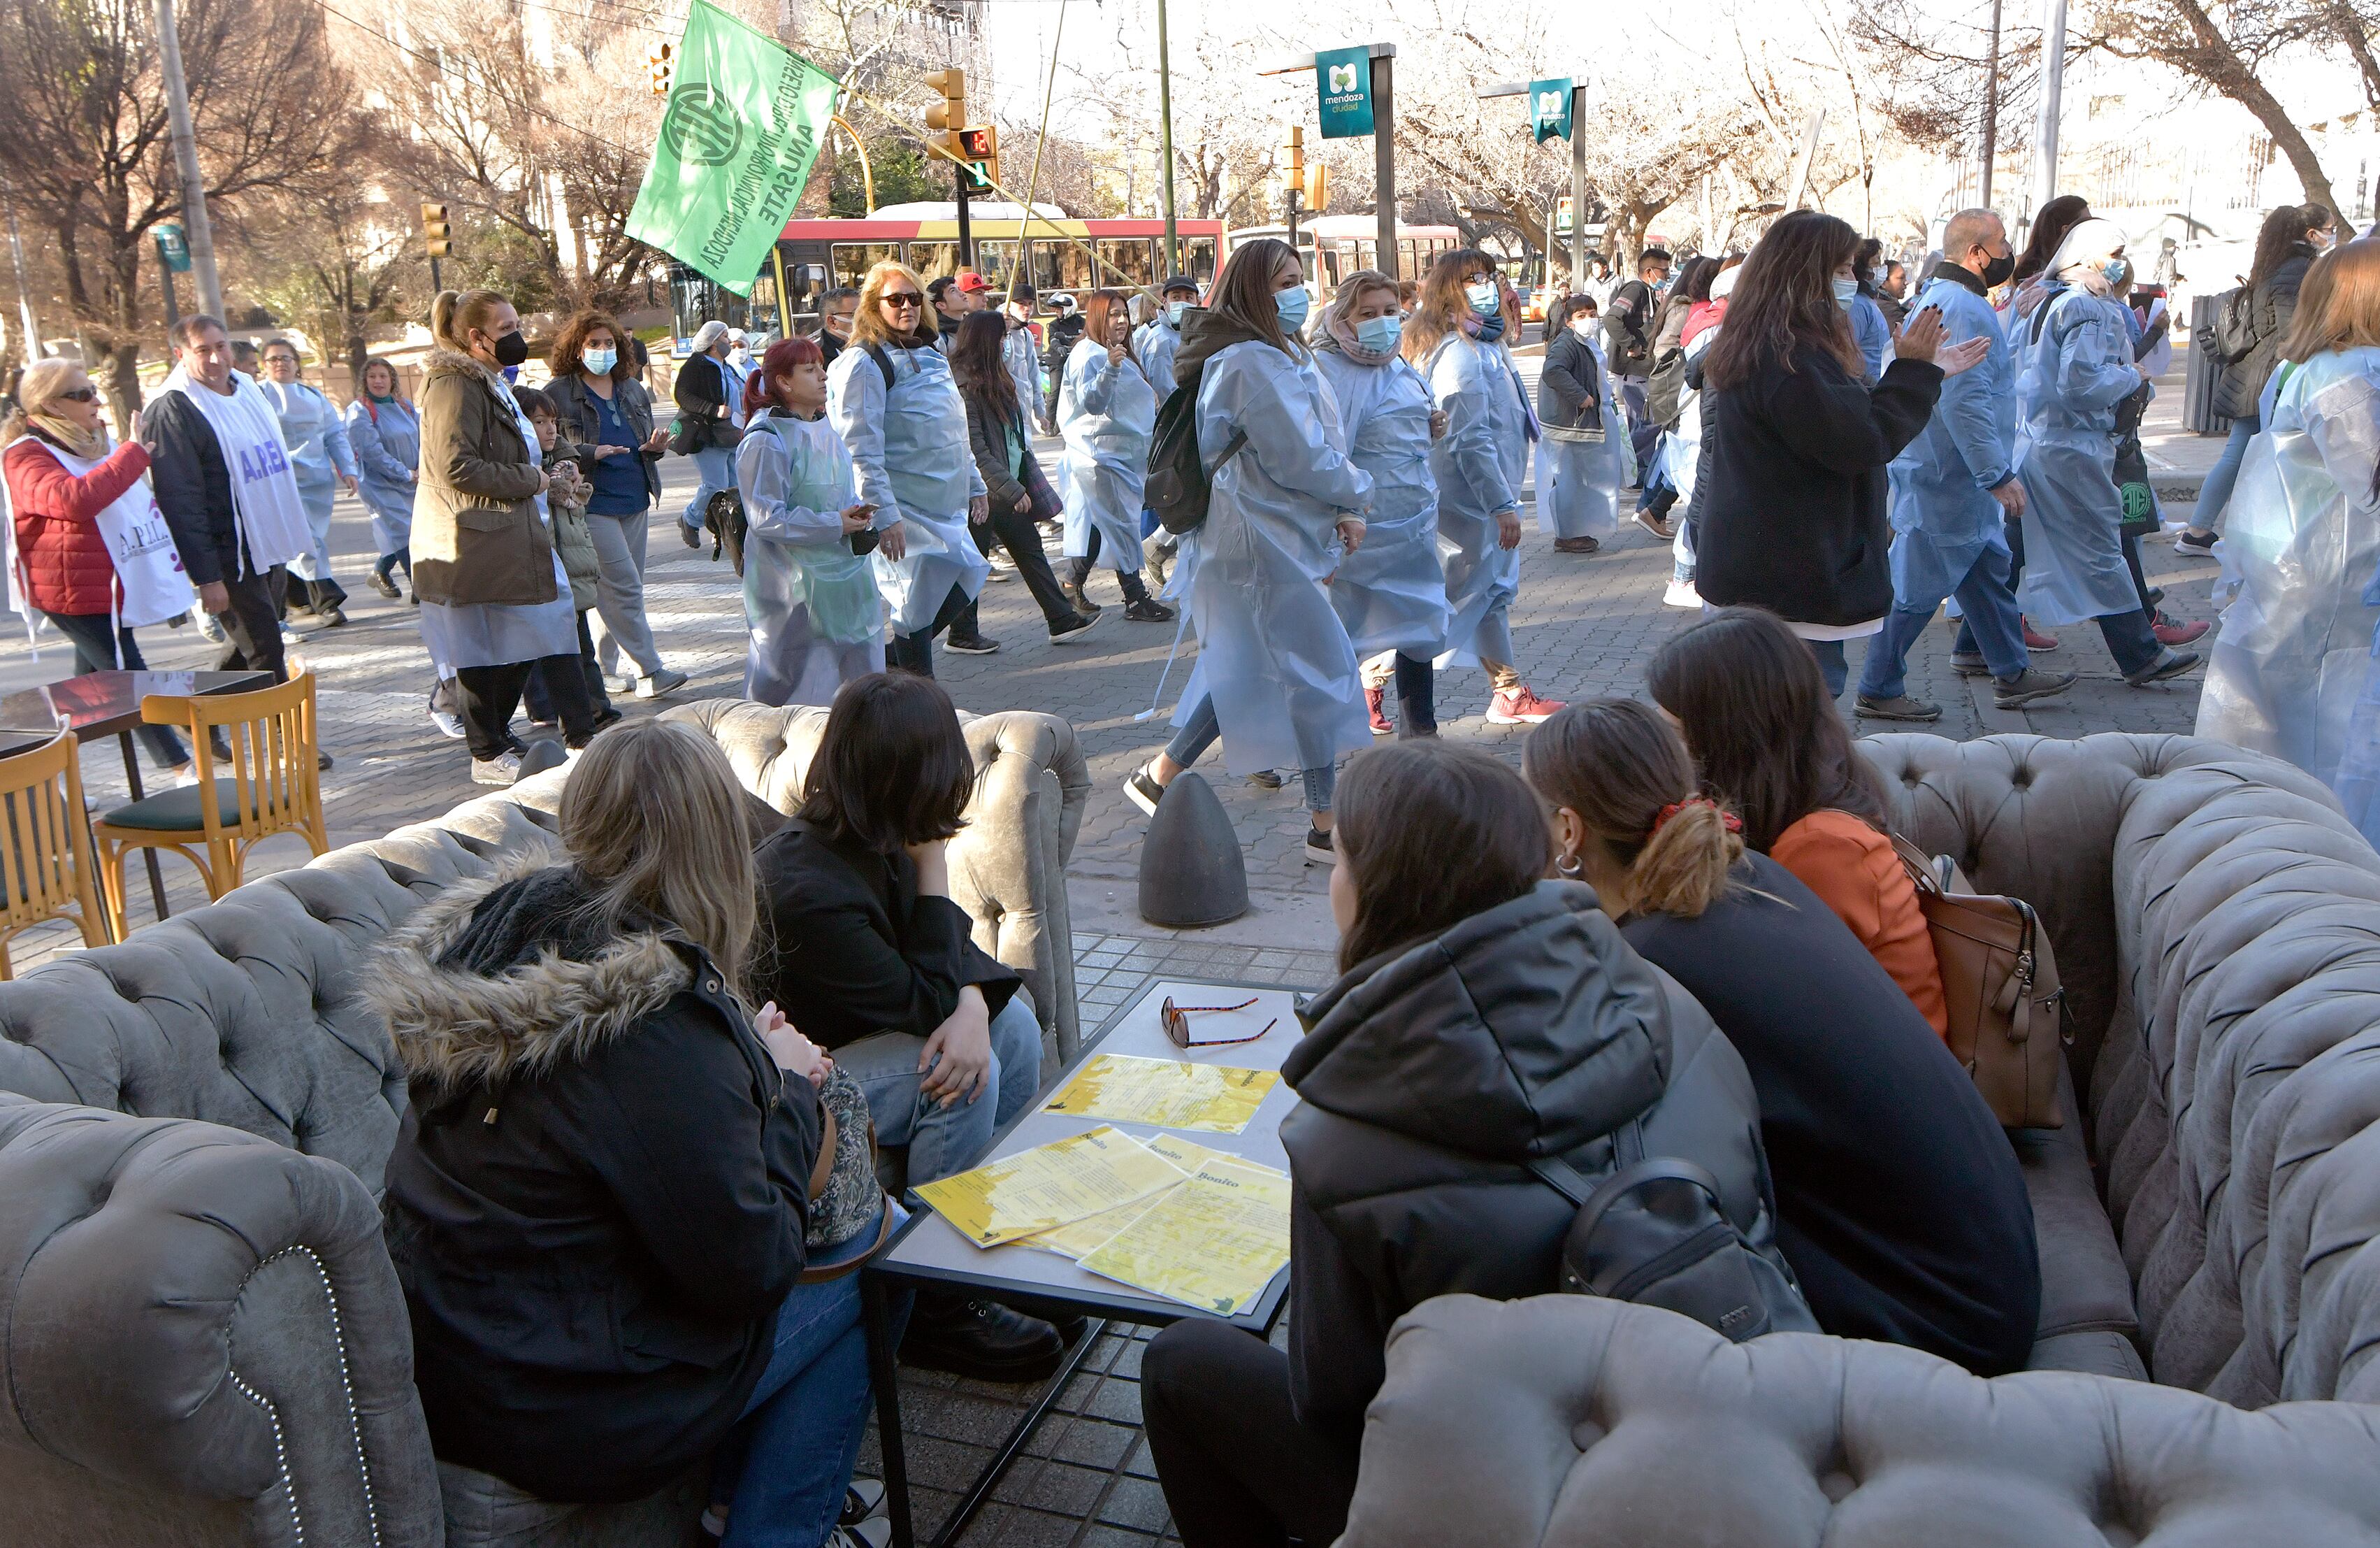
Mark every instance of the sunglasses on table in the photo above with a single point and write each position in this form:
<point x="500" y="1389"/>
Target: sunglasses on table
<point x="1176" y="1020"/>
<point x="80" y="395"/>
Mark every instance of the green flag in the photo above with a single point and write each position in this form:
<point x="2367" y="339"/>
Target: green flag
<point x="739" y="135"/>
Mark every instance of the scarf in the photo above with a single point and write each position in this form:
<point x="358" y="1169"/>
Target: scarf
<point x="1486" y="330"/>
<point x="265" y="494"/>
<point x="88" y="444"/>
<point x="1341" y="340"/>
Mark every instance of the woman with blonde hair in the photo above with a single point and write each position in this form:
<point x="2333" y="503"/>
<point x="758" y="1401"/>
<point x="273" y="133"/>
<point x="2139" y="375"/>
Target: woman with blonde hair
<point x="384" y="430"/>
<point x="2291" y="673"/>
<point x="599" y="1305"/>
<point x="495" y="598"/>
<point x="893" y="398"/>
<point x="1455" y="339"/>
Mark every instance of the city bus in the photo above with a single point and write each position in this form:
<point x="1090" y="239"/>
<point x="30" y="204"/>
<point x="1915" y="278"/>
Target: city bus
<point x="815" y="256"/>
<point x="1332" y="247"/>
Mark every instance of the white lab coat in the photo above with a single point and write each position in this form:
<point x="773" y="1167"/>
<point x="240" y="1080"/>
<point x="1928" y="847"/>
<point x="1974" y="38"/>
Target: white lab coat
<point x="816" y="617"/>
<point x="1391" y="592"/>
<point x="909" y="449"/>
<point x="1479" y="465"/>
<point x="1272" y="651"/>
<point x="1107" y="413"/>
<point x="2069" y="380"/>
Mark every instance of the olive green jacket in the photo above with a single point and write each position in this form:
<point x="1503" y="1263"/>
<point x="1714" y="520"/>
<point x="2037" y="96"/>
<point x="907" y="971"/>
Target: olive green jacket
<point x="476" y="535"/>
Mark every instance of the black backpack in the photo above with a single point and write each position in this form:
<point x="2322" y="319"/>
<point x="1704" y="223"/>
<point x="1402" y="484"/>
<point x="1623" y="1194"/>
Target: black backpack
<point x="1178" y="481"/>
<point x="1653" y="1233"/>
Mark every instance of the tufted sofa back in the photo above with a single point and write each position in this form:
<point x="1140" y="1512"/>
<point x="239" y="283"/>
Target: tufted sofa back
<point x="2217" y="928"/>
<point x="1568" y="1420"/>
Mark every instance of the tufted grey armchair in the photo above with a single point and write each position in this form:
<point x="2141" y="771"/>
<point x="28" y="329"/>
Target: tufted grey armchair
<point x="202" y="1339"/>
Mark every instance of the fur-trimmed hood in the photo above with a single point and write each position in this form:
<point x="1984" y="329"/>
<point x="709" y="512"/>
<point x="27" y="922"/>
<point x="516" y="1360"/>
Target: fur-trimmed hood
<point x="442" y="362"/>
<point x="455" y="1026"/>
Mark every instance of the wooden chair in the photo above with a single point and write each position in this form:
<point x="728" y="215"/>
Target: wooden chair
<point x="45" y="858"/>
<point x="274" y="787"/>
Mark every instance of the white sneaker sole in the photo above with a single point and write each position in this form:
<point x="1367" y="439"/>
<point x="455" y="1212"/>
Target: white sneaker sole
<point x="1496" y="719"/>
<point x="1133" y="793"/>
<point x="1073" y="637"/>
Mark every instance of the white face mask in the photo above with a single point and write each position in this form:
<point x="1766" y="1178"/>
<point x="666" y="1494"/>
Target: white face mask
<point x="1174" y="310"/>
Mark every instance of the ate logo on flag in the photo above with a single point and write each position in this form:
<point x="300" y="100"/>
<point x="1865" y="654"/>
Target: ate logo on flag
<point x="701" y="127"/>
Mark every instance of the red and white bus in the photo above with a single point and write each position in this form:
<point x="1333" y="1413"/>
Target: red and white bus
<point x="1332" y="247"/>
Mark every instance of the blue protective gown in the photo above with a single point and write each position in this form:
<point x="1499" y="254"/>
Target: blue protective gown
<point x="909" y="448"/>
<point x="816" y="618"/>
<point x="1271" y="651"/>
<point x="1107" y="413"/>
<point x="1154" y="345"/>
<point x="2071" y="378"/>
<point x="387" y="448"/>
<point x="2291" y="671"/>
<point x="1579" y="480"/>
<point x="1872" y="335"/>
<point x="1479" y="465"/>
<point x="318" y="452"/>
<point x="1943" y="516"/>
<point x="1391" y="592"/>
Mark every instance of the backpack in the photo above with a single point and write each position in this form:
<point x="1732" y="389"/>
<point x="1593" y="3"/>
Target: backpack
<point x="1653" y="1233"/>
<point x="1665" y="391"/>
<point x="1178" y="481"/>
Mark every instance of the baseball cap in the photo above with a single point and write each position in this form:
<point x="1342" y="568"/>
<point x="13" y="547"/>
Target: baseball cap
<point x="972" y="283"/>
<point x="1179" y="282"/>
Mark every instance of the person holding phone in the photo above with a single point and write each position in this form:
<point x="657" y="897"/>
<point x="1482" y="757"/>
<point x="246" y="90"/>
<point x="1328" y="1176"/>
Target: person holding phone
<point x="816" y="615"/>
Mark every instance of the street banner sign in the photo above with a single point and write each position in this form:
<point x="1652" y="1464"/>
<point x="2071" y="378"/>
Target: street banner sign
<point x="738" y="138"/>
<point x="173" y="248"/>
<point x="1549" y="108"/>
<point x="1344" y="75"/>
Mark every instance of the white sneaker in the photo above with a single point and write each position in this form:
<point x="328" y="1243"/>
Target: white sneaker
<point x="1681" y="593"/>
<point x="661" y="682"/>
<point x="186" y="775"/>
<point x="211" y="629"/>
<point x="503" y="768"/>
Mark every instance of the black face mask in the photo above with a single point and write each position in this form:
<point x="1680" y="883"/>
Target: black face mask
<point x="512" y="349"/>
<point x="1996" y="270"/>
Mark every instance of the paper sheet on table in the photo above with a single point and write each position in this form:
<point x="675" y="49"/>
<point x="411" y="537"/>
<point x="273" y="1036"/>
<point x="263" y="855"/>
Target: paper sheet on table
<point x="1169" y="1093"/>
<point x="1082" y="1236"/>
<point x="1049" y="1185"/>
<point x="1214" y="1242"/>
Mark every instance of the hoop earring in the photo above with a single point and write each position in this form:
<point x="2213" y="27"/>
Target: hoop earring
<point x="1570" y="866"/>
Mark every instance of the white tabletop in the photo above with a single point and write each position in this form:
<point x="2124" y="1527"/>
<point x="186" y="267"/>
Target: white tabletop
<point x="929" y="1249"/>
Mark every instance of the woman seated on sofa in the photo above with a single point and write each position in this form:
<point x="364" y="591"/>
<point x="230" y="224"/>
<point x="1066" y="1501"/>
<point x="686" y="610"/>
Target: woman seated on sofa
<point x="597" y="1304"/>
<point x="1485" y="1015"/>
<point x="875" y="960"/>
<point x="1900" y="1202"/>
<point x="1749" y="699"/>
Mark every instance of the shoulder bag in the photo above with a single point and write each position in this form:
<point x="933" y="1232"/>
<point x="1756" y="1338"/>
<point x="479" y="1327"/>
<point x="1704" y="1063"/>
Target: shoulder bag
<point x="1999" y="981"/>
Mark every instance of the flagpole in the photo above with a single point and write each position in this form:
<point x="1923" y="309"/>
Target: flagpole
<point x="1040" y="138"/>
<point x="1164" y="131"/>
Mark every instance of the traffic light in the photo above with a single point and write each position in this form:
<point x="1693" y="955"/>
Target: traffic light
<point x="1293" y="160"/>
<point x="661" y="60"/>
<point x="948" y="117"/>
<point x="978" y="146"/>
<point x="436" y="235"/>
<point x="1318" y="188"/>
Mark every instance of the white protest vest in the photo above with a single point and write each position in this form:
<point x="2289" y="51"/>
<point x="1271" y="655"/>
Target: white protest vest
<point x="150" y="585"/>
<point x="263" y="485"/>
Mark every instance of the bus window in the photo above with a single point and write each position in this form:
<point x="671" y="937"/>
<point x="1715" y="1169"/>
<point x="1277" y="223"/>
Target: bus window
<point x="1200" y="253"/>
<point x="853" y="259"/>
<point x="995" y="262"/>
<point x="1135" y="255"/>
<point x="1058" y="266"/>
<point x="1407" y="258"/>
<point x="804" y="284"/>
<point x="695" y="299"/>
<point x="933" y="260"/>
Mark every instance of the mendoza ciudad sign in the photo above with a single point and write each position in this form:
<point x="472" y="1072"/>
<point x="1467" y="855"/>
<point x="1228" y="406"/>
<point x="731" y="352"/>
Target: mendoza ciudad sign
<point x="739" y="134"/>
<point x="1549" y="108"/>
<point x="1344" y="78"/>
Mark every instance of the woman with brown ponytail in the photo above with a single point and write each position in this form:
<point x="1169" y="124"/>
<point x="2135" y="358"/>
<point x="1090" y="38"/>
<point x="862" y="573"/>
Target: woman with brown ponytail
<point x="1899" y="1203"/>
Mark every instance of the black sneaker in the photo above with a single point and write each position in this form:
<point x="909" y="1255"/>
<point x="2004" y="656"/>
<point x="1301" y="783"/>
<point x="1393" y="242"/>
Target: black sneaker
<point x="971" y="644"/>
<point x="2195" y="543"/>
<point x="1147" y="610"/>
<point x="1318" y="850"/>
<point x="1143" y="790"/>
<point x="2173" y="663"/>
<point x="1071" y="631"/>
<point x="979" y="1337"/>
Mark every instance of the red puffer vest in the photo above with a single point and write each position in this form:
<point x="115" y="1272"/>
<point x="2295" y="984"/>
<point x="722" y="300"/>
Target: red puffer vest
<point x="61" y="564"/>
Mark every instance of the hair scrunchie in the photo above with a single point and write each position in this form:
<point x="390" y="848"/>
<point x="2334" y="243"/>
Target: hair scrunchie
<point x="1734" y="824"/>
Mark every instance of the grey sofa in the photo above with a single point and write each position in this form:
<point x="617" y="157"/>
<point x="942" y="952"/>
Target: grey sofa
<point x="202" y="1339"/>
<point x="2217" y="928"/>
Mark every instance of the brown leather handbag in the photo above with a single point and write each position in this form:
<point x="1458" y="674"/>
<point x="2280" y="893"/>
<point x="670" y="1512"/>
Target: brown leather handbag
<point x="2000" y="982"/>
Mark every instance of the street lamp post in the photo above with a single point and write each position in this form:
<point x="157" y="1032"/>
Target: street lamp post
<point x="1164" y="135"/>
<point x="1384" y="135"/>
<point x="185" y="162"/>
<point x="2053" y="70"/>
<point x="1577" y="172"/>
<point x="1991" y="111"/>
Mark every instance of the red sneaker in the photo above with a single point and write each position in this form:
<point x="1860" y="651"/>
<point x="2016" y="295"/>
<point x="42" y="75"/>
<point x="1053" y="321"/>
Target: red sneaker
<point x="2170" y="631"/>
<point x="1377" y="700"/>
<point x="2036" y="641"/>
<point x="1521" y="706"/>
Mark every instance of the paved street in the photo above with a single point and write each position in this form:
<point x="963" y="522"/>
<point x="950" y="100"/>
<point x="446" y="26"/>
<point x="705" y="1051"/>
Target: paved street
<point x="1584" y="627"/>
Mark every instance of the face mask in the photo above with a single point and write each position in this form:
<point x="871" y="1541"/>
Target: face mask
<point x="1174" y="310"/>
<point x="512" y="349"/>
<point x="1485" y="299"/>
<point x="1380" y="335"/>
<point x="1996" y="270"/>
<point x="601" y="361"/>
<point x="1846" y="290"/>
<point x="1293" y="303"/>
<point x="1583" y="326"/>
<point x="2115" y="270"/>
<point x="1876" y="278"/>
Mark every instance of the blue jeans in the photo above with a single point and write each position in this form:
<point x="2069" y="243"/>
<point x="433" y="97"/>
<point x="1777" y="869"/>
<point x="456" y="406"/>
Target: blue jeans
<point x="717" y="466"/>
<point x="2215" y="492"/>
<point x="785" y="1464"/>
<point x="946" y="1139"/>
<point x="1832" y="662"/>
<point x="1200" y="733"/>
<point x="1988" y="603"/>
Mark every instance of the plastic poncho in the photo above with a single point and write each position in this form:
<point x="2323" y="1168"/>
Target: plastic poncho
<point x="1106" y="414"/>
<point x="1391" y="592"/>
<point x="317" y="446"/>
<point x="1943" y="517"/>
<point x="1154" y="346"/>
<point x="1023" y="358"/>
<point x="816" y="618"/>
<point x="1582" y="479"/>
<point x="388" y="449"/>
<point x="909" y="449"/>
<point x="1271" y="651"/>
<point x="2289" y="671"/>
<point x="1872" y="334"/>
<point x="2069" y="380"/>
<point x="1479" y="465"/>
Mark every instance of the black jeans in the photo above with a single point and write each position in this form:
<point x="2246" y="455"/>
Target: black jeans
<point x="253" y="627"/>
<point x="1079" y="570"/>
<point x="402" y="559"/>
<point x="1238" y="1468"/>
<point x="1416" y="697"/>
<point x="915" y="653"/>
<point x="488" y="695"/>
<point x="95" y="651"/>
<point x="540" y="703"/>
<point x="1021" y="535"/>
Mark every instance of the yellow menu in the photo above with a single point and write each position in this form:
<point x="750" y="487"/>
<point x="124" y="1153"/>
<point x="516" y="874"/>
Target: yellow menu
<point x="1169" y="1093"/>
<point x="1080" y="1237"/>
<point x="1214" y="1242"/>
<point x="1049" y="1185"/>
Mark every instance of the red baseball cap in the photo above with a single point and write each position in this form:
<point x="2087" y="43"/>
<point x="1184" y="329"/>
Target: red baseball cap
<point x="972" y="283"/>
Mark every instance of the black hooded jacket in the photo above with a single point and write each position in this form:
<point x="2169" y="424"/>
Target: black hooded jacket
<point x="597" y="1202"/>
<point x="1431" y="1076"/>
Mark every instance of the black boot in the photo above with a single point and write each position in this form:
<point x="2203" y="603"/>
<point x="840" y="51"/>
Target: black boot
<point x="981" y="1339"/>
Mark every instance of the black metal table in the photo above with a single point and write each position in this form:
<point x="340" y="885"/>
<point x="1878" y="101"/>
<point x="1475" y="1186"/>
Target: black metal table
<point x="927" y="1251"/>
<point x="108" y="704"/>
